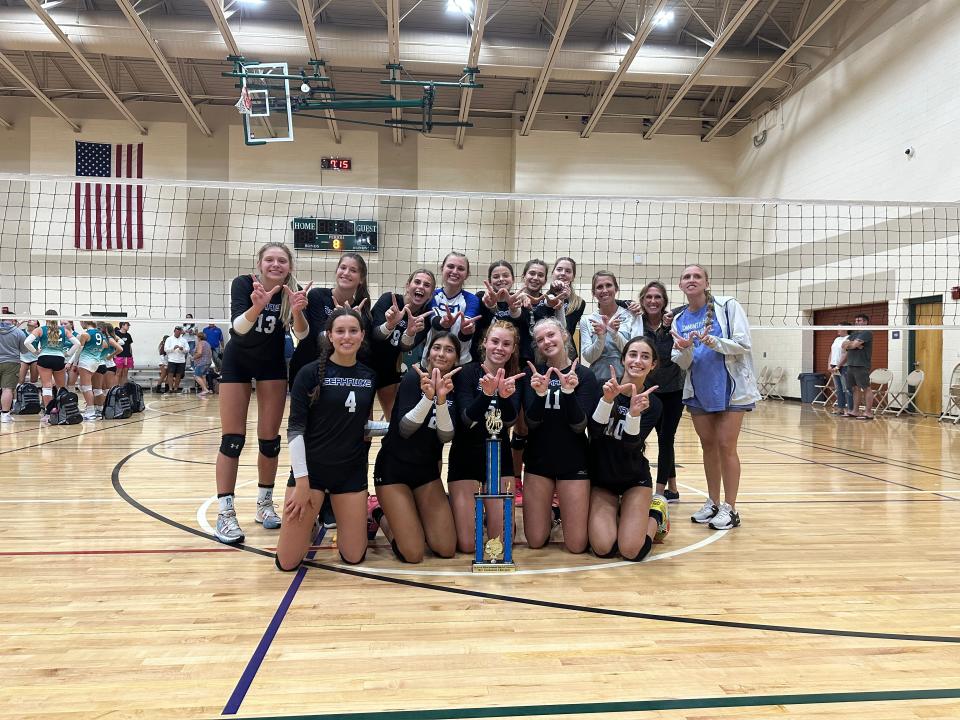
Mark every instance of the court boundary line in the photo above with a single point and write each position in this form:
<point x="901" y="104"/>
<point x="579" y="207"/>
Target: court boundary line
<point x="624" y="706"/>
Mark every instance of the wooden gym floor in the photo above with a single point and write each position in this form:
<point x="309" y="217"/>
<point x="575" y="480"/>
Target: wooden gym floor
<point x="839" y="596"/>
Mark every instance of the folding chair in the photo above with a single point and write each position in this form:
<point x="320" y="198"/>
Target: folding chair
<point x="881" y="377"/>
<point x="825" y="393"/>
<point x="762" y="380"/>
<point x="776" y="377"/>
<point x="952" y="411"/>
<point x="903" y="398"/>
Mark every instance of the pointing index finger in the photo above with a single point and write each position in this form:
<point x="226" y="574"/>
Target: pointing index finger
<point x="647" y="392"/>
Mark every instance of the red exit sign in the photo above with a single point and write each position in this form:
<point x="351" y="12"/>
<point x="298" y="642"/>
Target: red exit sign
<point x="331" y="163"/>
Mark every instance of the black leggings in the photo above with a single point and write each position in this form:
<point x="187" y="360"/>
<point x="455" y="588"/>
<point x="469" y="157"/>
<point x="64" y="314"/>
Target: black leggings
<point x="666" y="432"/>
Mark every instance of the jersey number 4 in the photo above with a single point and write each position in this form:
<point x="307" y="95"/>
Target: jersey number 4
<point x="351" y="402"/>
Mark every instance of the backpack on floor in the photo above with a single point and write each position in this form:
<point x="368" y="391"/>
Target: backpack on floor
<point x="116" y="405"/>
<point x="213" y="380"/>
<point x="135" y="395"/>
<point x="27" y="400"/>
<point x="66" y="409"/>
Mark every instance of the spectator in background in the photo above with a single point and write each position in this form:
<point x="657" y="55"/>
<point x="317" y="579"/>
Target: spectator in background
<point x="162" y="386"/>
<point x="11" y="345"/>
<point x="835" y="365"/>
<point x="190" y="333"/>
<point x="28" y="361"/>
<point x="176" y="348"/>
<point x="124" y="358"/>
<point x="202" y="357"/>
<point x="859" y="349"/>
<point x="214" y="336"/>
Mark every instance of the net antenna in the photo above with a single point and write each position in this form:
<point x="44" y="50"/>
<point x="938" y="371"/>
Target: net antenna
<point x="264" y="93"/>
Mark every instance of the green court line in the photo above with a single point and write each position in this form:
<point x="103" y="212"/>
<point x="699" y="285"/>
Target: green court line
<point x="631" y="706"/>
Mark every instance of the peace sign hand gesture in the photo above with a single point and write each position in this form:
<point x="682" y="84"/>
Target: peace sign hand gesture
<point x="298" y="299"/>
<point x="680" y="342"/>
<point x="508" y="386"/>
<point x="599" y="326"/>
<point x="640" y="402"/>
<point x="489" y="383"/>
<point x="394" y="314"/>
<point x="449" y="319"/>
<point x="539" y="382"/>
<point x="259" y="297"/>
<point x="569" y="379"/>
<point x="359" y="308"/>
<point x="416" y="322"/>
<point x="515" y="301"/>
<point x="443" y="384"/>
<point x="612" y="387"/>
<point x="426" y="383"/>
<point x="469" y="324"/>
<point x="491" y="296"/>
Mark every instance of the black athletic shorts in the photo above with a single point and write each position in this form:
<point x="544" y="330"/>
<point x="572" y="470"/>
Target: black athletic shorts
<point x="176" y="369"/>
<point x="52" y="362"/>
<point x="470" y="463"/>
<point x="241" y="366"/>
<point x="336" y="480"/>
<point x="390" y="471"/>
<point x="571" y="474"/>
<point x="621" y="485"/>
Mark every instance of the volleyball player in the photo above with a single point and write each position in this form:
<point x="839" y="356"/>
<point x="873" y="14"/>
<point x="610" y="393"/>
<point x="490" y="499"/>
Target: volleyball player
<point x="28" y="361"/>
<point x="454" y="309"/>
<point x="605" y="333"/>
<point x="52" y="343"/>
<point x="261" y="307"/>
<point x="653" y="321"/>
<point x="559" y="397"/>
<point x="414" y="511"/>
<point x="124" y="359"/>
<point x="399" y="324"/>
<point x="349" y="288"/>
<point x="497" y="301"/>
<point x="93" y="343"/>
<point x="329" y="406"/>
<point x="625" y="516"/>
<point x="712" y="343"/>
<point x="108" y="379"/>
<point x="490" y="382"/>
<point x="564" y="273"/>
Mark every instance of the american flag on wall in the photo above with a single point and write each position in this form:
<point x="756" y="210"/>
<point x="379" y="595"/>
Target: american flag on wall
<point x="108" y="217"/>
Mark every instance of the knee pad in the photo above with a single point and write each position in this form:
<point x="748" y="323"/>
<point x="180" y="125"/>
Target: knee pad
<point x="656" y="515"/>
<point x="396" y="551"/>
<point x="270" y="448"/>
<point x="86" y="388"/>
<point x="97" y="392"/>
<point x="347" y="562"/>
<point x="610" y="553"/>
<point x="644" y="551"/>
<point x="518" y="442"/>
<point x="232" y="445"/>
<point x="281" y="568"/>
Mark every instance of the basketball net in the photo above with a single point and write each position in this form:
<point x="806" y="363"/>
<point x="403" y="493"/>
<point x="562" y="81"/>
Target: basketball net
<point x="244" y="105"/>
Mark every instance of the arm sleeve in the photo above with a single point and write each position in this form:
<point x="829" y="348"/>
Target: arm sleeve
<point x="642" y="426"/>
<point x="591" y="344"/>
<point x="465" y="400"/>
<point x="534" y="405"/>
<point x="444" y="423"/>
<point x="28" y="343"/>
<point x="575" y="406"/>
<point x="379" y="316"/>
<point x="298" y="456"/>
<point x="413" y="419"/>
<point x="738" y="342"/>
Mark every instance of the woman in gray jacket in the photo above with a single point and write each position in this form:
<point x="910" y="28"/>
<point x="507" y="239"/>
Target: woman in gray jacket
<point x="712" y="343"/>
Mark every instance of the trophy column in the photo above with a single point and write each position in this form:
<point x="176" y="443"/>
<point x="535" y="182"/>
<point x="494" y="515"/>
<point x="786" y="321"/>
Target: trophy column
<point x="497" y="554"/>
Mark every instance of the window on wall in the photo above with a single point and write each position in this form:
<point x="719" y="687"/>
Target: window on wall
<point x="823" y="339"/>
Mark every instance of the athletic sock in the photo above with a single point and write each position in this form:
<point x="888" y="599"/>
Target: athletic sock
<point x="225" y="501"/>
<point x="264" y="493"/>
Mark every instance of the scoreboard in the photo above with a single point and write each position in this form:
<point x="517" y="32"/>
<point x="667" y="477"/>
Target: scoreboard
<point x="337" y="235"/>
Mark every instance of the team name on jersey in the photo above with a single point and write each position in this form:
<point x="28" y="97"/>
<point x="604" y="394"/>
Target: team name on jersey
<point x="347" y="382"/>
<point x="272" y="307"/>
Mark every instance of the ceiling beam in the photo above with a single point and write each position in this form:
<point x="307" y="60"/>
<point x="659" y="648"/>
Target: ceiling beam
<point x="6" y="125"/>
<point x="801" y="40"/>
<point x="305" y="10"/>
<point x="220" y="18"/>
<point x="85" y="65"/>
<point x="564" y="21"/>
<point x="643" y="32"/>
<point x="763" y="18"/>
<point x="699" y="18"/>
<point x="473" y="60"/>
<point x="393" y="57"/>
<point x="37" y="92"/>
<point x="729" y="29"/>
<point x="136" y="22"/>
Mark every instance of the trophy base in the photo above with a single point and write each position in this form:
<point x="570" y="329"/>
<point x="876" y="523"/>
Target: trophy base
<point x="493" y="567"/>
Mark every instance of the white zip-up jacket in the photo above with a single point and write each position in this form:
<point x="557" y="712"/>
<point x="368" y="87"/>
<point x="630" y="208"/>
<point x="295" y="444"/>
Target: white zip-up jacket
<point x="734" y="345"/>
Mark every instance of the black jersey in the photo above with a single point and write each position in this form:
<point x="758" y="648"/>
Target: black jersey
<point x="557" y="441"/>
<point x="333" y="424"/>
<point x="265" y="338"/>
<point x="419" y="446"/>
<point x="125" y="339"/>
<point x="488" y="316"/>
<point x="468" y="449"/>
<point x="616" y="457"/>
<point x="320" y="306"/>
<point x="528" y="318"/>
<point x="386" y="352"/>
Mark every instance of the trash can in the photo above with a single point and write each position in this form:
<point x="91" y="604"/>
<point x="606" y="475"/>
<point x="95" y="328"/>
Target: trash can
<point x="808" y="385"/>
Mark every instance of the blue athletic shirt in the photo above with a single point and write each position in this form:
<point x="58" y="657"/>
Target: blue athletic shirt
<point x="93" y="346"/>
<point x="56" y="347"/>
<point x="708" y="373"/>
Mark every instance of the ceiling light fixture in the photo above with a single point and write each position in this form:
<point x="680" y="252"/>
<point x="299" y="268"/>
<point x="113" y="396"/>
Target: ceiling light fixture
<point x="464" y="7"/>
<point x="252" y="3"/>
<point x="664" y="18"/>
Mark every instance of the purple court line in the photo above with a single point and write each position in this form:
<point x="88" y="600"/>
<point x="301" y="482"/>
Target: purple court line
<point x="253" y="666"/>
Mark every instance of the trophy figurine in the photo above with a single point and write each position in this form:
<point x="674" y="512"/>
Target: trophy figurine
<point x="496" y="555"/>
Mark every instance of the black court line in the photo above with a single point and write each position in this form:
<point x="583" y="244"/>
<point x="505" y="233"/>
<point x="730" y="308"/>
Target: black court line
<point x="852" y="472"/>
<point x="153" y="452"/>
<point x="634" y="706"/>
<point x="118" y="487"/>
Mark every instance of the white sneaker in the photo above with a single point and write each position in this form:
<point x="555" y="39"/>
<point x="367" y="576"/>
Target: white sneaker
<point x="228" y="529"/>
<point x="725" y="519"/>
<point x="89" y="415"/>
<point x="267" y="515"/>
<point x="705" y="513"/>
<point x="5" y="417"/>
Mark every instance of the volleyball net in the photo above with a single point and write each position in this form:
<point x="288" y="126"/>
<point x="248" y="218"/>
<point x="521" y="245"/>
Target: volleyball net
<point x="160" y="250"/>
